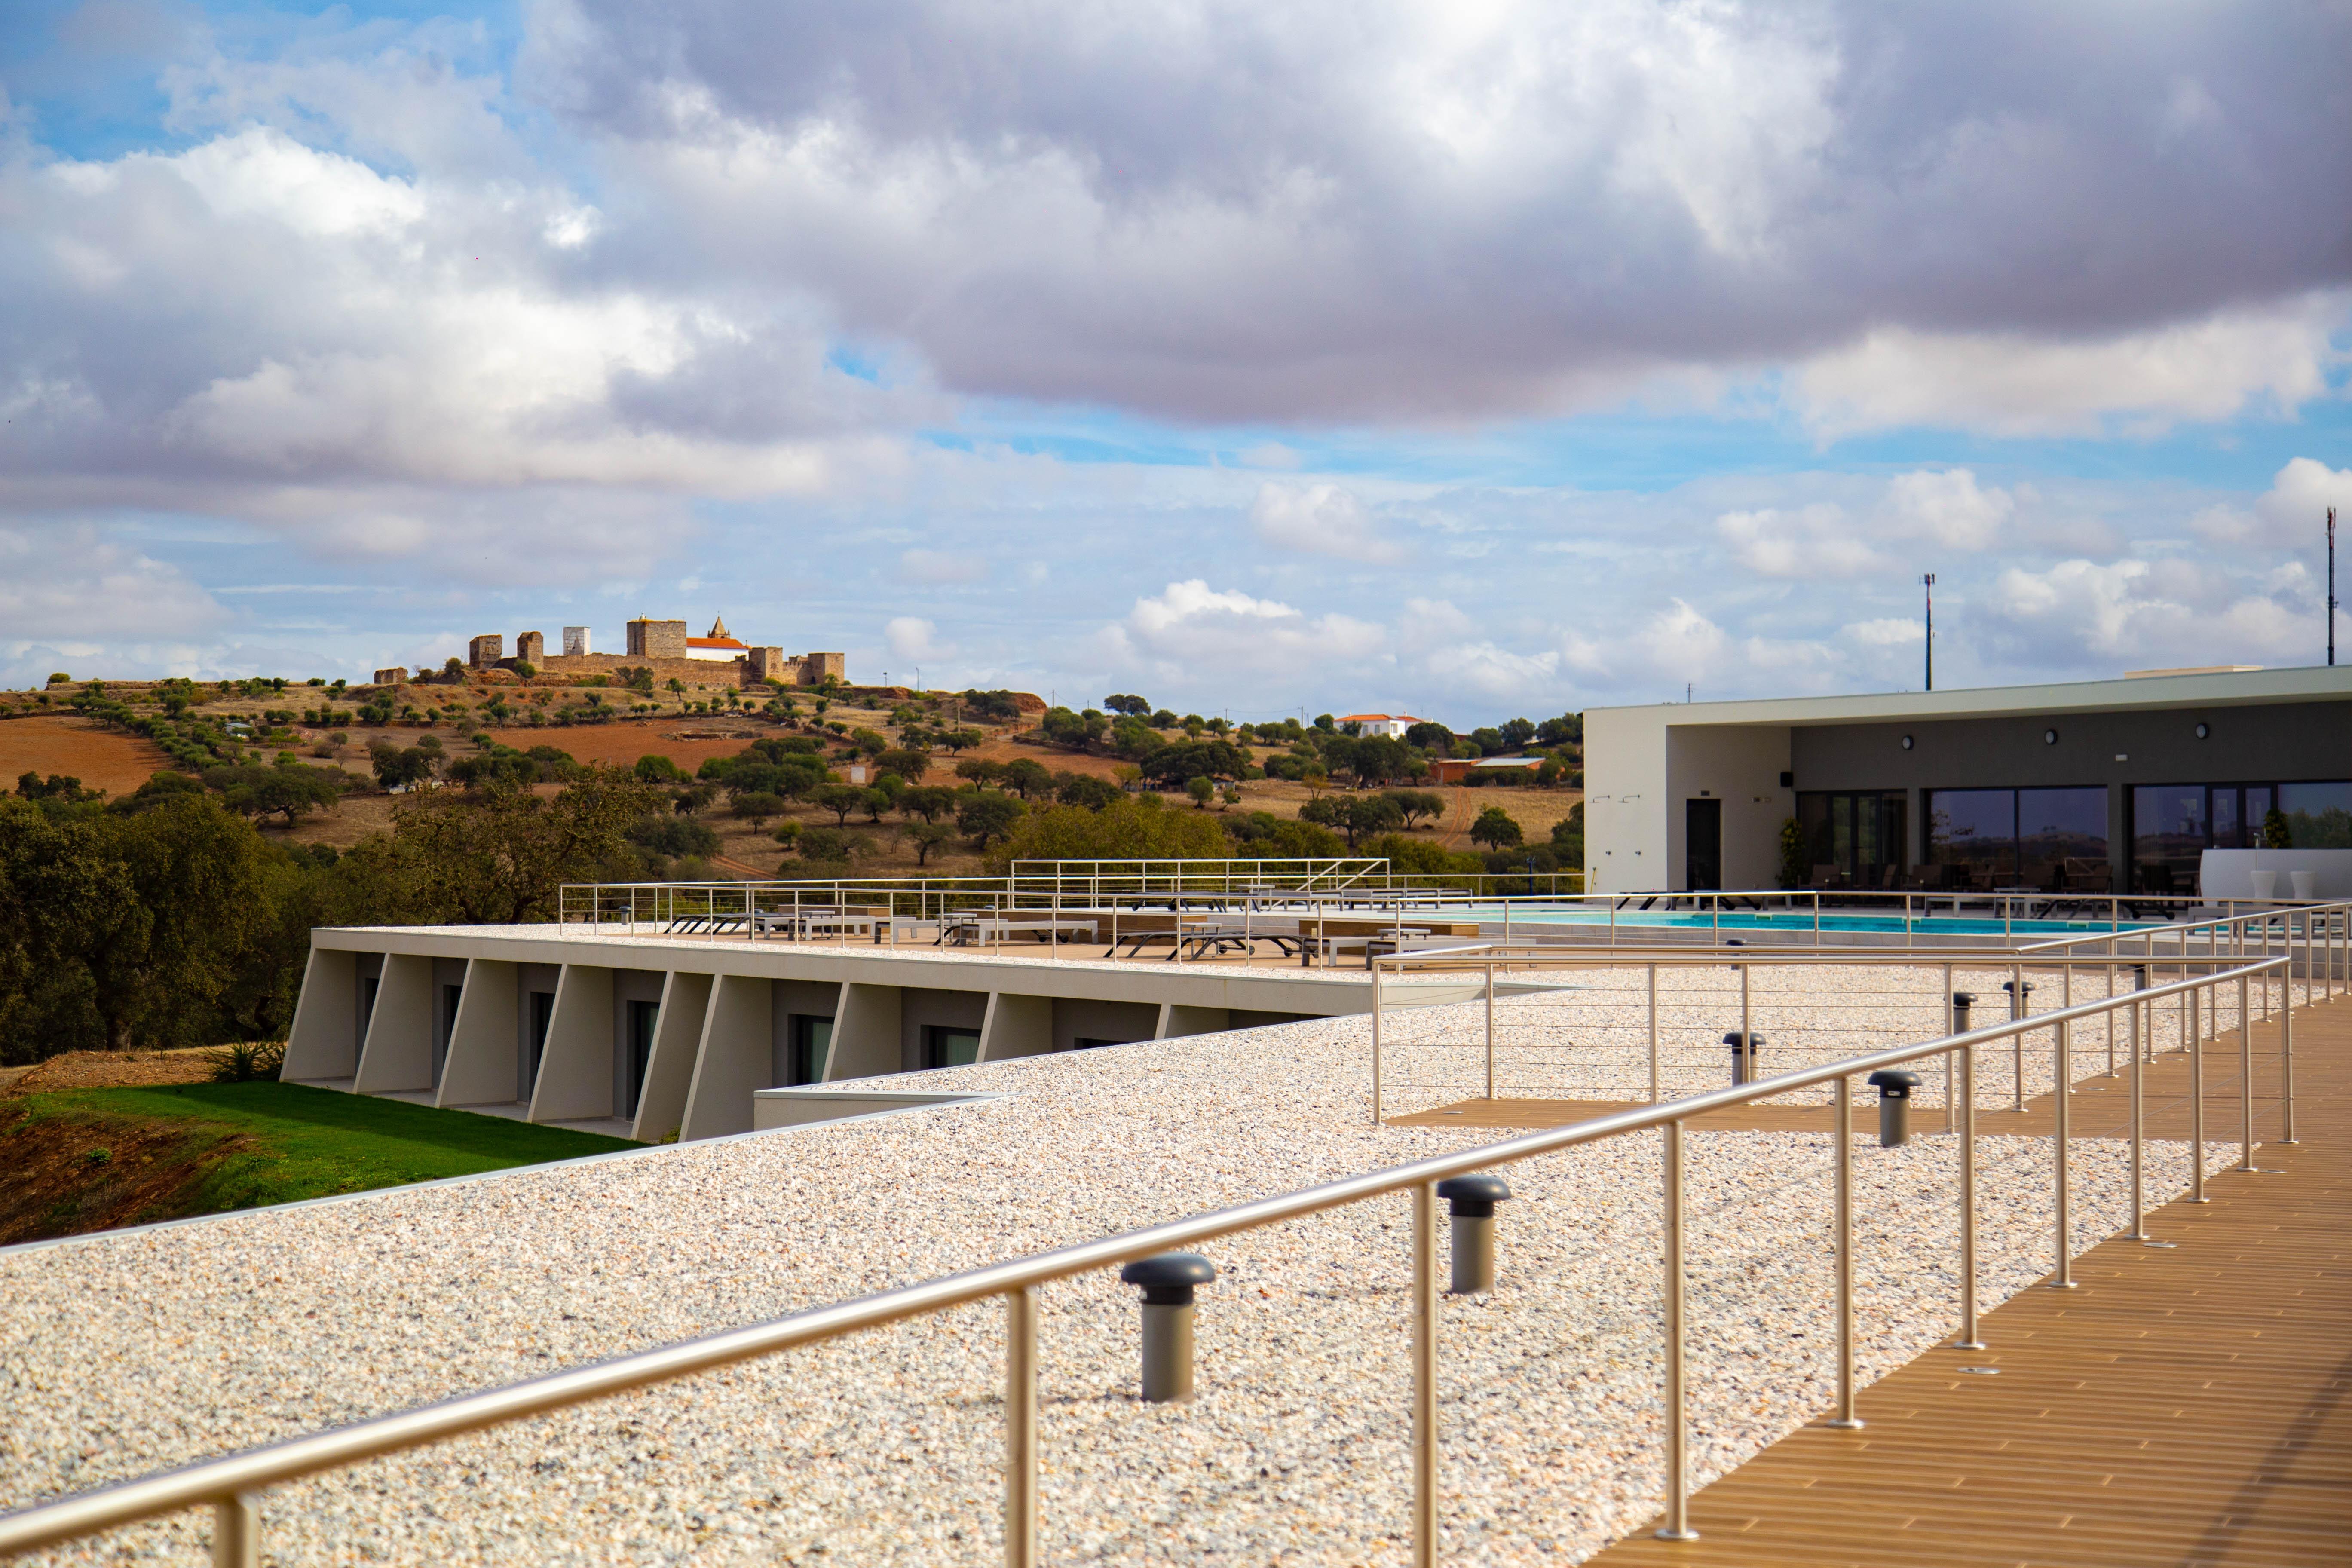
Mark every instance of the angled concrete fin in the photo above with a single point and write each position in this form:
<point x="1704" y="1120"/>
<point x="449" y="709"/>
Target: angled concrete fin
<point x="324" y="1040"/>
<point x="735" y="1057"/>
<point x="575" y="1071"/>
<point x="677" y="1037"/>
<point x="866" y="1033"/>
<point x="480" y="1069"/>
<point x="1016" y="1025"/>
<point x="398" y="1055"/>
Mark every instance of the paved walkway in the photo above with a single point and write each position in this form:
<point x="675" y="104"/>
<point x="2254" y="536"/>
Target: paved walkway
<point x="2185" y="1405"/>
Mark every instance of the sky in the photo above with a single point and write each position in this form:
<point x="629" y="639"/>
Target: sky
<point x="1467" y="360"/>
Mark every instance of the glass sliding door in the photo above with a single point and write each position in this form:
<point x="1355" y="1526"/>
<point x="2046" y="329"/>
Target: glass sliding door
<point x="2174" y="825"/>
<point x="1972" y="838"/>
<point x="2062" y="840"/>
<point x="1854" y="838"/>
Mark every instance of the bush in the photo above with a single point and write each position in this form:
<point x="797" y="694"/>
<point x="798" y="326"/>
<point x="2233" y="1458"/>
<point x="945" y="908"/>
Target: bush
<point x="986" y="816"/>
<point x="674" y="835"/>
<point x="833" y="845"/>
<point x="1085" y="789"/>
<point x="247" y="1061"/>
<point x="1202" y="791"/>
<point x="756" y="807"/>
<point x="656" y="769"/>
<point x="1130" y="827"/>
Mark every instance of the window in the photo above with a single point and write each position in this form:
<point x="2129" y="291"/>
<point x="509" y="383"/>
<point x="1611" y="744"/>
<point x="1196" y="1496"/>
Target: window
<point x="543" y="1017"/>
<point x="1854" y="839"/>
<point x="812" y="1042"/>
<point x="2053" y="839"/>
<point x="950" y="1047"/>
<point x="2174" y="825"/>
<point x="643" y="1018"/>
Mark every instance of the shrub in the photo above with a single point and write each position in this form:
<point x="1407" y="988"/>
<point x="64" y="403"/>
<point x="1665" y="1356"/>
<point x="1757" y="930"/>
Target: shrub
<point x="1085" y="789"/>
<point x="987" y="817"/>
<point x="756" y="807"/>
<point x="247" y="1061"/>
<point x="1202" y="791"/>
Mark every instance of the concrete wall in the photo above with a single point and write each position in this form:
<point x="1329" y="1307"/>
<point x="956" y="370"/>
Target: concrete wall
<point x="1076" y="1020"/>
<point x="923" y="1010"/>
<point x="657" y="639"/>
<point x="1741" y="767"/>
<point x="720" y="1037"/>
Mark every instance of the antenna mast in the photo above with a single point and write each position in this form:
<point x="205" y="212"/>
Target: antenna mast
<point x="1928" y="581"/>
<point x="2331" y="586"/>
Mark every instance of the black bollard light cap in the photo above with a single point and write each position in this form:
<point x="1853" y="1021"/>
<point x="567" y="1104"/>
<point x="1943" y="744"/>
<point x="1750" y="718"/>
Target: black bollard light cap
<point x="1893" y="1082"/>
<point x="1473" y="1197"/>
<point x="1964" y="999"/>
<point x="1168" y="1278"/>
<point x="1751" y="1041"/>
<point x="2011" y="985"/>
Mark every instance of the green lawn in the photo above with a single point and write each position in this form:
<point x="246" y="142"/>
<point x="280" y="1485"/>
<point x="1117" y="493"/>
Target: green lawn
<point x="92" y="1159"/>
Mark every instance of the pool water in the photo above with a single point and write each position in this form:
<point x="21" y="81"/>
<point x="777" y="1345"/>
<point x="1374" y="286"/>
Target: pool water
<point x="1795" y="921"/>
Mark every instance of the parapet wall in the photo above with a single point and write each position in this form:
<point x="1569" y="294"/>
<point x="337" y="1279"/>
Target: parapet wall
<point x="798" y="669"/>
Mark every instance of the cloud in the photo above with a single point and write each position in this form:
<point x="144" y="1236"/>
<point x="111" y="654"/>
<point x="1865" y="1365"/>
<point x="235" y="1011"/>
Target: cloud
<point x="1385" y="211"/>
<point x="1189" y="625"/>
<point x="1810" y="541"/>
<point x="1318" y="520"/>
<point x="913" y="639"/>
<point x="70" y="585"/>
<point x="940" y="566"/>
<point x="2013" y="382"/>
<point x="2139" y="613"/>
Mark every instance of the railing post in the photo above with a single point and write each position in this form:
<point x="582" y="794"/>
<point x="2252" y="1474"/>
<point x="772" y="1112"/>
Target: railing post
<point x="1845" y="1420"/>
<point x="1021" y="1427"/>
<point x="2138" y="1231"/>
<point x="237" y="1531"/>
<point x="1490" y="1031"/>
<point x="1654" y="1034"/>
<point x="1967" y="1340"/>
<point x="1950" y="1124"/>
<point x="2017" y="1009"/>
<point x="2286" y="1067"/>
<point x="1374" y="965"/>
<point x="2245" y="1081"/>
<point x="1425" y="1374"/>
<point x="2196" y="1101"/>
<point x="1678" y="1521"/>
<point x="2065" y="1277"/>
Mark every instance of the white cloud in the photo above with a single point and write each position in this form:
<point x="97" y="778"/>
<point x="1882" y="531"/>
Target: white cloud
<point x="1189" y="625"/>
<point x="2014" y="383"/>
<point x="1318" y="520"/>
<point x="912" y="640"/>
<point x="1810" y="541"/>
<point x="72" y="585"/>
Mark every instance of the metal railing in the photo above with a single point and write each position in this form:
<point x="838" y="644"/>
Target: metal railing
<point x="1487" y="965"/>
<point x="747" y="907"/>
<point x="230" y="1485"/>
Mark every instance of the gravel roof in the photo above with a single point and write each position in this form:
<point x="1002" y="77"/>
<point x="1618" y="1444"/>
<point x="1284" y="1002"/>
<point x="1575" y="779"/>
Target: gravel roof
<point x="124" y="1354"/>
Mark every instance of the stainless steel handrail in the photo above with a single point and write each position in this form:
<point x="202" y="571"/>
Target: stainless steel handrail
<point x="230" y="1483"/>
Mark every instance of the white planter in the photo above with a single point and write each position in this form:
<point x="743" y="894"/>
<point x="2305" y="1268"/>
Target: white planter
<point x="2226" y="874"/>
<point x="2306" y="884"/>
<point x="2266" y="884"/>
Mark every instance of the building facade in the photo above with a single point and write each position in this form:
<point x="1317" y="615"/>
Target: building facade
<point x="2096" y="787"/>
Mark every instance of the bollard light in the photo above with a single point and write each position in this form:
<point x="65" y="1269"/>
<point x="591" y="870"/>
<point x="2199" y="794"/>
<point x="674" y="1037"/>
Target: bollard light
<point x="2017" y="995"/>
<point x="1168" y="1282"/>
<point x="1893" y="1086"/>
<point x="1744" y="1050"/>
<point x="1961" y="1002"/>
<point x="1473" y="1200"/>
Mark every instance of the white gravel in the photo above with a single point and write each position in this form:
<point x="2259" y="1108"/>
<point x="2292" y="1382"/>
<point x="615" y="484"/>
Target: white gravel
<point x="124" y="1354"/>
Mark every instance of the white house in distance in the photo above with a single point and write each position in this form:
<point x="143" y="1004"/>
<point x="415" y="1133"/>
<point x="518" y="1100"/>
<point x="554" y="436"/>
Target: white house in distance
<point x="1390" y="724"/>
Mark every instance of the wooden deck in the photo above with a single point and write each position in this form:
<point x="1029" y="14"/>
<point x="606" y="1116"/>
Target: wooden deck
<point x="2185" y="1405"/>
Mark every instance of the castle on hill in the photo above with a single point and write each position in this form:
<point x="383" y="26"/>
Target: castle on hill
<point x="663" y="646"/>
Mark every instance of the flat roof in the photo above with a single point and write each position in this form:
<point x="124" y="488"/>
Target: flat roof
<point x="2219" y="689"/>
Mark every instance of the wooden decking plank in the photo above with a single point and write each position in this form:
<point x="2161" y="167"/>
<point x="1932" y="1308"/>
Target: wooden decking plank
<point x="2190" y="1405"/>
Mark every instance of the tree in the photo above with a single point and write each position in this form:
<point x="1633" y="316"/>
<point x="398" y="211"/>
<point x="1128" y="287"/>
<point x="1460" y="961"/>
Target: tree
<point x="1132" y="705"/>
<point x="840" y="799"/>
<point x="1379" y="758"/>
<point x="498" y="857"/>
<point x="909" y="763"/>
<point x="1428" y="736"/>
<point x="930" y="802"/>
<point x="833" y="845"/>
<point x="984" y="817"/>
<point x="1173" y="765"/>
<point x="289" y="789"/>
<point x="1085" y="790"/>
<point x="960" y="740"/>
<point x="1496" y="829"/>
<point x="755" y="807"/>
<point x="1517" y="733"/>
<point x="397" y="766"/>
<point x="1264" y="834"/>
<point x="978" y="772"/>
<point x="1793" y="855"/>
<point x="1026" y="776"/>
<point x="1130" y="828"/>
<point x="1201" y="789"/>
<point x="661" y="833"/>
<point x="1416" y="803"/>
<point x="928" y="836"/>
<point x="875" y="802"/>
<point x="653" y="768"/>
<point x="1568" y="730"/>
<point x="1358" y="817"/>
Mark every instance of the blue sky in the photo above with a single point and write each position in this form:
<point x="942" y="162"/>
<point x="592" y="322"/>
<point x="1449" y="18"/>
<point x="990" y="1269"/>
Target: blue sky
<point x="1470" y="361"/>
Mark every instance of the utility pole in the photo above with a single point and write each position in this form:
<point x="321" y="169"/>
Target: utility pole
<point x="1927" y="580"/>
<point x="2331" y="587"/>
